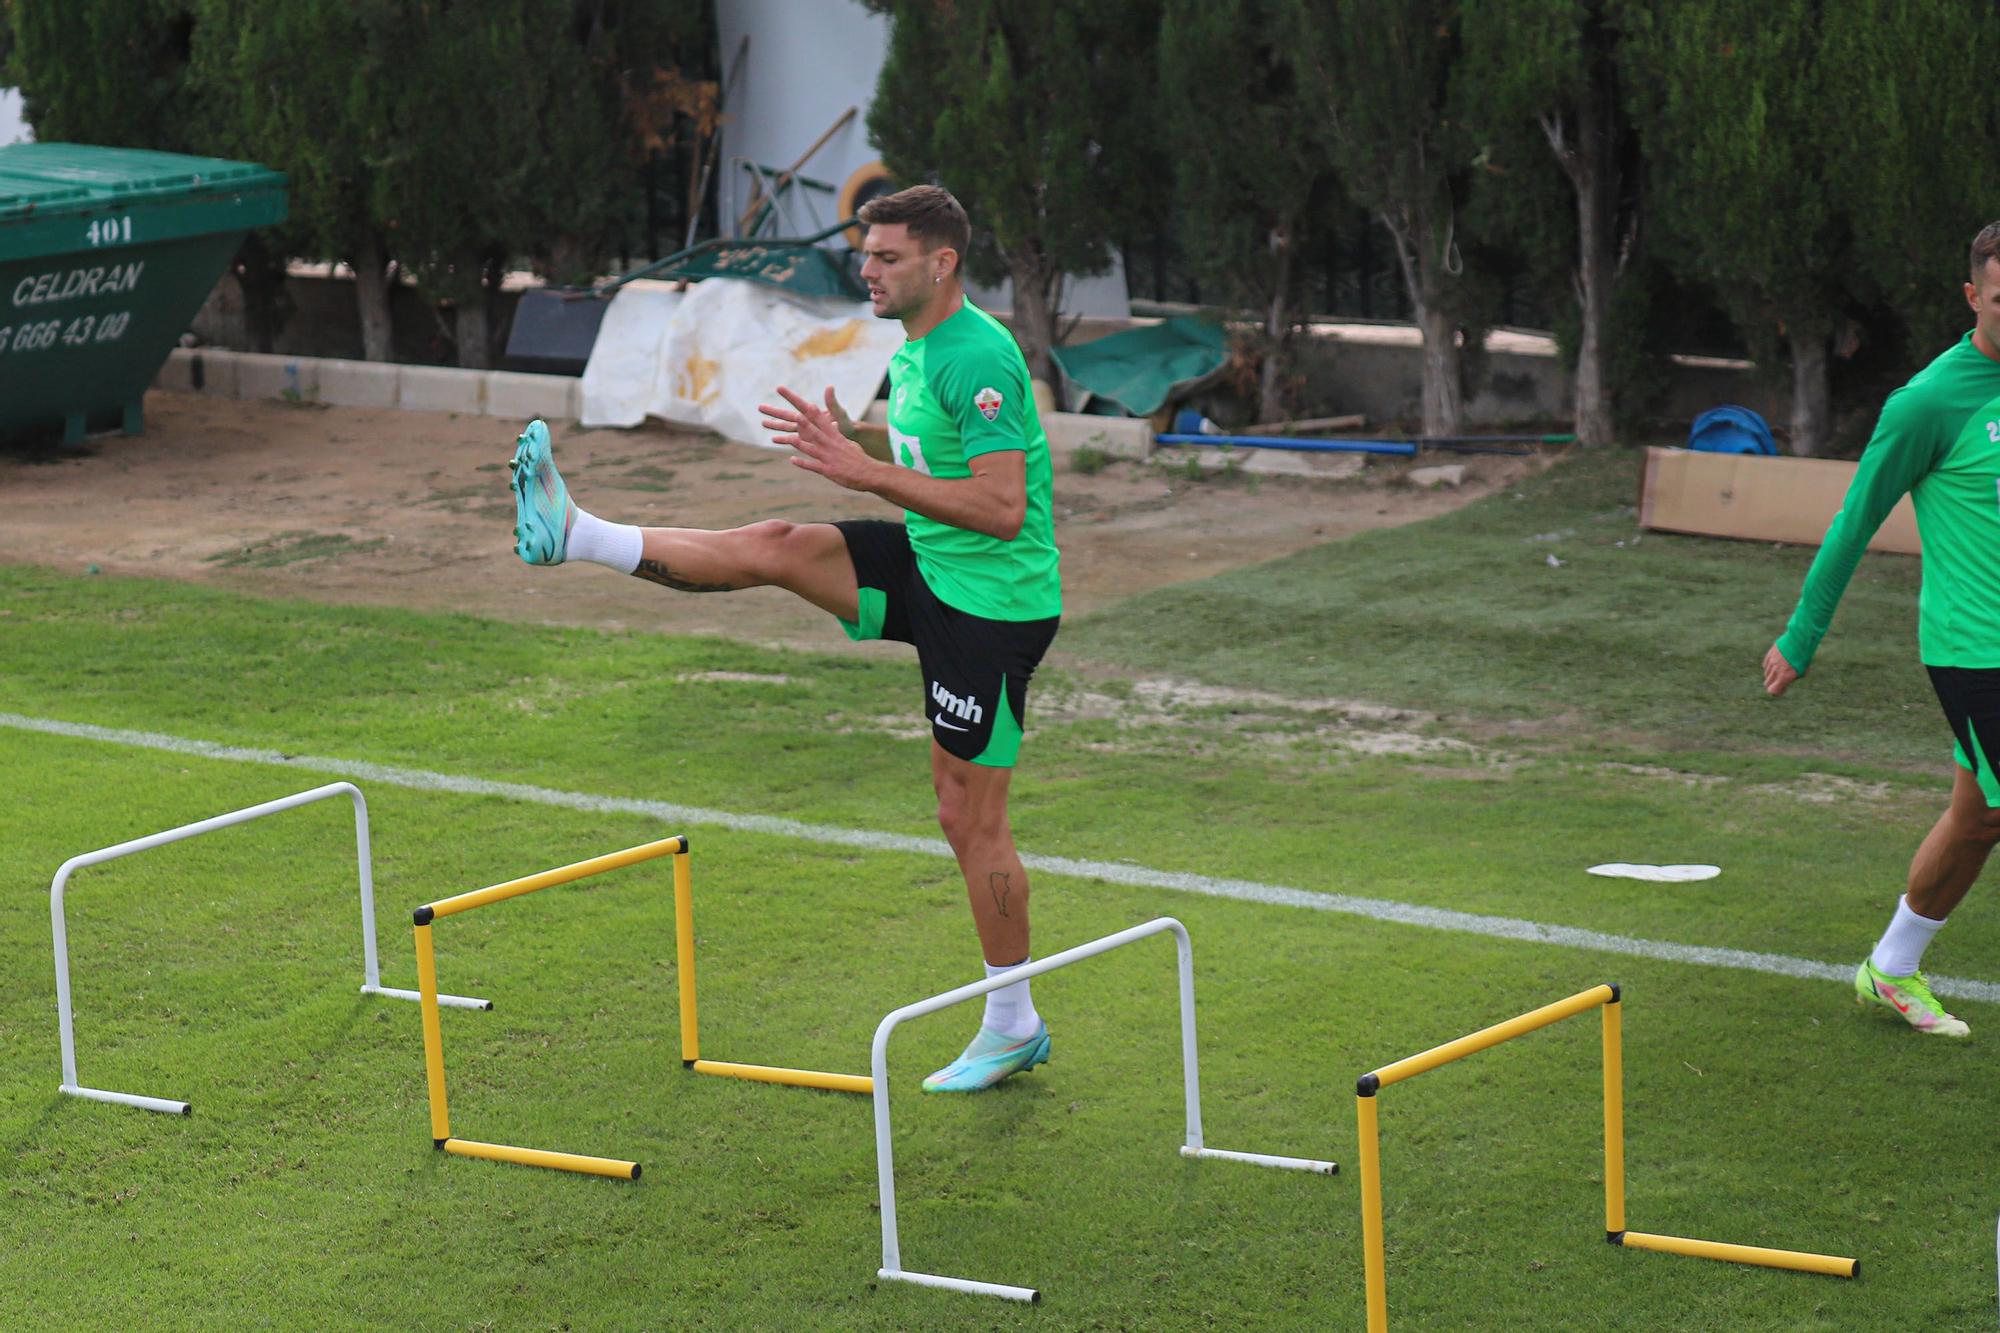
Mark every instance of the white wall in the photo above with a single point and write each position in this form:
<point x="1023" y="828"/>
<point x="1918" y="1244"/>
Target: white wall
<point x="808" y="61"/>
<point x="13" y="129"/>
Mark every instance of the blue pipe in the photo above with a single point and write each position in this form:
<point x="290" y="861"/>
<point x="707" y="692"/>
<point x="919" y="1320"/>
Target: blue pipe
<point x="1301" y="445"/>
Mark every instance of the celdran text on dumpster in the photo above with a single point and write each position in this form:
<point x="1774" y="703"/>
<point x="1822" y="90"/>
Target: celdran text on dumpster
<point x="75" y="284"/>
<point x="68" y="285"/>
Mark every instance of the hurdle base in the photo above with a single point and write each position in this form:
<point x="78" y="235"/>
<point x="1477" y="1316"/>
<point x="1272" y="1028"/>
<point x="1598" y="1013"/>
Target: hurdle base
<point x="1026" y="1295"/>
<point x="555" y="1161"/>
<point x="796" y="1078"/>
<point x="1312" y="1164"/>
<point x="448" y="1001"/>
<point x="163" y="1105"/>
<point x="1827" y="1265"/>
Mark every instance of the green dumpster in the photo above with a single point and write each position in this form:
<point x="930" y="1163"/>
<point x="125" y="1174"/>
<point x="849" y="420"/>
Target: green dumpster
<point x="105" y="256"/>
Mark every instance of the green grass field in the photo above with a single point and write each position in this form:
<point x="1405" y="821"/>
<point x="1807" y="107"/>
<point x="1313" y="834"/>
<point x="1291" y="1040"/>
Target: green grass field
<point x="1606" y="709"/>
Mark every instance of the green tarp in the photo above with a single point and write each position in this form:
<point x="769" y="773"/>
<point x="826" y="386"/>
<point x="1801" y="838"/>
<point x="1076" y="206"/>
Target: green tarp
<point x="792" y="265"/>
<point x="1139" y="370"/>
<point x="796" y="264"/>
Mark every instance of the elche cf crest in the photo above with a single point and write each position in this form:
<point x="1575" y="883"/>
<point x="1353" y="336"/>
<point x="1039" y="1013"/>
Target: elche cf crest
<point x="988" y="402"/>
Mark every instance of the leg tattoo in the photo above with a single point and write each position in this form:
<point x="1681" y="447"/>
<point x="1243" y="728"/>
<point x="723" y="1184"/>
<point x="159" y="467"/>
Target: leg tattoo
<point x="997" y="884"/>
<point x="655" y="571"/>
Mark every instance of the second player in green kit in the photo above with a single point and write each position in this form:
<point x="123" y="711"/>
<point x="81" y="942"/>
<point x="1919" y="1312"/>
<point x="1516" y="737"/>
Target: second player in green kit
<point x="1938" y="441"/>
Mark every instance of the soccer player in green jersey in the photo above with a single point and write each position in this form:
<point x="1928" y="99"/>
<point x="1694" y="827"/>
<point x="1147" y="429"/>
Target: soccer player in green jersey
<point x="1939" y="441"/>
<point x="969" y="577"/>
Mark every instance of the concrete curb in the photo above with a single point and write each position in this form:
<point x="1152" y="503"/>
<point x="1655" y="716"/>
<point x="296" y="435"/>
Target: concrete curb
<point x="338" y="383"/>
<point x="507" y="393"/>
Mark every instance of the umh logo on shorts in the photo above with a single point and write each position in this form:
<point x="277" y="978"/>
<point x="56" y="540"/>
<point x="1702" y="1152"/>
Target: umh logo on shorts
<point x="967" y="709"/>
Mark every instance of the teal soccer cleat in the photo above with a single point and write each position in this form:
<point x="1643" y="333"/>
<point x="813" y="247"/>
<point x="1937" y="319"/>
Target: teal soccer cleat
<point x="991" y="1057"/>
<point x="542" y="511"/>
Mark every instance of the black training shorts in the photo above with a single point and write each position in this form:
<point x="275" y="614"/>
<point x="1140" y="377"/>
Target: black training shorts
<point x="1971" y="700"/>
<point x="975" y="670"/>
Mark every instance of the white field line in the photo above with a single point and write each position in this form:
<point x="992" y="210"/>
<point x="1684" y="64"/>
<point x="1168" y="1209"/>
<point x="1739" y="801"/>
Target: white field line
<point x="1115" y="872"/>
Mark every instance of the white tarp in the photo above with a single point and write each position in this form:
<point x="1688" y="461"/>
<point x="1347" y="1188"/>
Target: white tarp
<point x="707" y="356"/>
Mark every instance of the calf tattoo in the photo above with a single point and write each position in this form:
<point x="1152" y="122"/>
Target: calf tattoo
<point x="997" y="884"/>
<point x="656" y="571"/>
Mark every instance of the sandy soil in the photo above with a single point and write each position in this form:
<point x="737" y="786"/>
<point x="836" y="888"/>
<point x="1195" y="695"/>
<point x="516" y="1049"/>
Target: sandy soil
<point x="411" y="509"/>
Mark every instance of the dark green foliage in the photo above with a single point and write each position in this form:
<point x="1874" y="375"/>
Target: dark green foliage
<point x="1379" y="82"/>
<point x="1732" y="96"/>
<point x="1259" y="190"/>
<point x="1562" y="172"/>
<point x="326" y="122"/>
<point x="1912" y="144"/>
<point x="580" y="196"/>
<point x="1038" y="115"/>
<point x="282" y="98"/>
<point x="1737" y="102"/>
<point x="442" y="138"/>
<point x="104" y="71"/>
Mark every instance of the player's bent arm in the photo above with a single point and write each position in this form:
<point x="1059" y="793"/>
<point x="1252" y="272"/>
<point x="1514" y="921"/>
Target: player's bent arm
<point x="1902" y="450"/>
<point x="993" y="500"/>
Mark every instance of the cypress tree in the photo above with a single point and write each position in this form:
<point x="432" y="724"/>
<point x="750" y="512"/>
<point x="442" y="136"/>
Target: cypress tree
<point x="111" y="72"/>
<point x="1250" y="178"/>
<point x="1735" y="99"/>
<point x="1378" y="75"/>
<point x="302" y="85"/>
<point x="1038" y="115"/>
<point x="1912" y="148"/>
<point x="1540" y="80"/>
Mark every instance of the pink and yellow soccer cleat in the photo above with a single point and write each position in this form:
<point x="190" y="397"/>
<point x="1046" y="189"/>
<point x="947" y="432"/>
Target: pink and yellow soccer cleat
<point x="1909" y="996"/>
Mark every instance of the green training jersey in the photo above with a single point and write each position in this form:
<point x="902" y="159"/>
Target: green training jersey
<point x="1939" y="440"/>
<point x="958" y="392"/>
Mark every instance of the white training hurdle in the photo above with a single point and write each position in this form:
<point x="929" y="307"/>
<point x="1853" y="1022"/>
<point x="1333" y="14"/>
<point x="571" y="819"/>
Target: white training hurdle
<point x="371" y="978"/>
<point x="885" y="1169"/>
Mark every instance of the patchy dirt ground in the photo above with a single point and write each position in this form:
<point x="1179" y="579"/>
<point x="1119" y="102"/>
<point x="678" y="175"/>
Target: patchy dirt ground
<point x="411" y="509"/>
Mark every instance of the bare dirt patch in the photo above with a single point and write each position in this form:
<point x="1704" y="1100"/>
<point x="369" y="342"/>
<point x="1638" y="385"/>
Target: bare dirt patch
<point x="411" y="509"/>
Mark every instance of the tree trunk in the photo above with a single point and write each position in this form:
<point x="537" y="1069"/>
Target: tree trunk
<point x="371" y="291"/>
<point x="1277" y="334"/>
<point x="469" y="329"/>
<point x="472" y="326"/>
<point x="1595" y="177"/>
<point x="1037" y="296"/>
<point x="1812" y="395"/>
<point x="267" y="304"/>
<point x="1444" y="399"/>
<point x="1444" y="385"/>
<point x="1593" y="395"/>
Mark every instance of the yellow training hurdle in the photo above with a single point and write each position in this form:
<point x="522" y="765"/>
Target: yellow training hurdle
<point x="676" y="847"/>
<point x="1604" y="997"/>
<point x="690" y="1034"/>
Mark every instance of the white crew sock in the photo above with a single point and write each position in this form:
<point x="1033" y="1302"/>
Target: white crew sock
<point x="617" y="545"/>
<point x="1009" y="1010"/>
<point x="1901" y="949"/>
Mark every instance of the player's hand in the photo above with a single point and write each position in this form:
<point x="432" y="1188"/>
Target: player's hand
<point x="1778" y="673"/>
<point x="819" y="436"/>
<point x="839" y="413"/>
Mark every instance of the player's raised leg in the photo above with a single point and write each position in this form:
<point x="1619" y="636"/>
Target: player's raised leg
<point x="972" y="810"/>
<point x="809" y="559"/>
